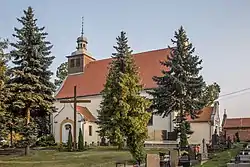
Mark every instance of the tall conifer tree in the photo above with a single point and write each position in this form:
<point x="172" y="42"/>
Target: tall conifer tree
<point x="123" y="112"/>
<point x="3" y="90"/>
<point x="181" y="85"/>
<point x="30" y="84"/>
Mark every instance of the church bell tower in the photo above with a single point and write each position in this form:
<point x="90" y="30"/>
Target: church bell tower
<point x="79" y="58"/>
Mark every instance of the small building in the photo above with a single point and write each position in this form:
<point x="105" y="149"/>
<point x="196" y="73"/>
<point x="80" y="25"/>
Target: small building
<point x="205" y="125"/>
<point x="233" y="125"/>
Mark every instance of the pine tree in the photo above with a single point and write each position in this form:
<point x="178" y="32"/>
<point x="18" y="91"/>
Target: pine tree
<point x="31" y="90"/>
<point x="69" y="142"/>
<point x="180" y="87"/>
<point x="80" y="140"/>
<point x="123" y="112"/>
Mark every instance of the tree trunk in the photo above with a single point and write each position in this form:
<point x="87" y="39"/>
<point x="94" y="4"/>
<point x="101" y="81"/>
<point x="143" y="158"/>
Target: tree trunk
<point x="11" y="136"/>
<point x="121" y="146"/>
<point x="27" y="148"/>
<point x="182" y="138"/>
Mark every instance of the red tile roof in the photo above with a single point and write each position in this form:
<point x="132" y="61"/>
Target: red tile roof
<point x="243" y="134"/>
<point x="237" y="122"/>
<point x="94" y="77"/>
<point x="86" y="113"/>
<point x="204" y="115"/>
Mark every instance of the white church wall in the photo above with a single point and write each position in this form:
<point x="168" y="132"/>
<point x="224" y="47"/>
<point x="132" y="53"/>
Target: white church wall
<point x="90" y="134"/>
<point x="160" y="123"/>
<point x="66" y="110"/>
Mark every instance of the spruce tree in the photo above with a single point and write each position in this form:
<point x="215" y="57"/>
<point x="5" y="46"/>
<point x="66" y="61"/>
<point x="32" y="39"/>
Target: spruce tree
<point x="180" y="86"/>
<point x="3" y="90"/>
<point x="31" y="40"/>
<point x="123" y="112"/>
<point x="80" y="140"/>
<point x="31" y="90"/>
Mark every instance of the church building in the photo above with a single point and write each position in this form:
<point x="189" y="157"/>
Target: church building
<point x="89" y="77"/>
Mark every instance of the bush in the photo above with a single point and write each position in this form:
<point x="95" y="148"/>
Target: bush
<point x="237" y="137"/>
<point x="69" y="143"/>
<point x="80" y="141"/>
<point x="46" y="141"/>
<point x="245" y="145"/>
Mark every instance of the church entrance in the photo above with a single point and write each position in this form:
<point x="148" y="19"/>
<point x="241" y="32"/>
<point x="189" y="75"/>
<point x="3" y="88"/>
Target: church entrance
<point x="65" y="132"/>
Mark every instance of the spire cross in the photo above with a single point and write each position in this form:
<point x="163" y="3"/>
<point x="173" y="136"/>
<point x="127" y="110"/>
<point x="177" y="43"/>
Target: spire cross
<point x="82" y="26"/>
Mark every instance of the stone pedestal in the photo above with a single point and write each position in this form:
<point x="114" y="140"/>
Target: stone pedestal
<point x="153" y="160"/>
<point x="174" y="157"/>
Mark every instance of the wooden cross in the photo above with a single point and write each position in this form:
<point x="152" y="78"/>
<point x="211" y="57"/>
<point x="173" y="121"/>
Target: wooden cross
<point x="75" y="101"/>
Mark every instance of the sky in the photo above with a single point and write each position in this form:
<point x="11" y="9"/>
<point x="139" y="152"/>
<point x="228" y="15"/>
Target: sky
<point x="219" y="30"/>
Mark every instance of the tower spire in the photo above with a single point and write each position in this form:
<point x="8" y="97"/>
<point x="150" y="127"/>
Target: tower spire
<point x="82" y="26"/>
<point x="81" y="40"/>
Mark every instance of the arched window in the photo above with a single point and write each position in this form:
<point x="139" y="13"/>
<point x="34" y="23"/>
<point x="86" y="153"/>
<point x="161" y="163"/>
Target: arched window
<point x="67" y="126"/>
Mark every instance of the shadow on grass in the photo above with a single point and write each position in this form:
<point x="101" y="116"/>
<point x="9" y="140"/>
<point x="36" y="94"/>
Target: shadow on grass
<point x="11" y="151"/>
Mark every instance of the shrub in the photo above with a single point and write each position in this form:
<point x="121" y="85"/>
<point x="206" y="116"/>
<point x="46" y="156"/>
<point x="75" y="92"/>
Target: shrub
<point x="69" y="143"/>
<point x="80" y="141"/>
<point x="45" y="141"/>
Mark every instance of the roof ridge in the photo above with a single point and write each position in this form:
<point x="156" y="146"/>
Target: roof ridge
<point x="133" y="54"/>
<point x="240" y="118"/>
<point x="149" y="51"/>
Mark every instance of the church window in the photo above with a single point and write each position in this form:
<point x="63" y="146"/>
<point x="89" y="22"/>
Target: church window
<point x="72" y="63"/>
<point x="78" y="62"/>
<point x="90" y="130"/>
<point x="67" y="126"/>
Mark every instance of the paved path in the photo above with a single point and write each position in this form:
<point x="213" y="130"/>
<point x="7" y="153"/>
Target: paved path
<point x="202" y="162"/>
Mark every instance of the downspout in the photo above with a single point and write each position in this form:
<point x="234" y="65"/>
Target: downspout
<point x="210" y="132"/>
<point x="170" y="122"/>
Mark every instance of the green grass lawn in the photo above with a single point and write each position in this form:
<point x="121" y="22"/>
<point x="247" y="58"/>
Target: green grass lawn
<point x="222" y="158"/>
<point x="99" y="157"/>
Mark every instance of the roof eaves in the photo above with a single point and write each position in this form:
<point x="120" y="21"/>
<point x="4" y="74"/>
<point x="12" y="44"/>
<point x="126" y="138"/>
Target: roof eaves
<point x="61" y="86"/>
<point x="62" y="98"/>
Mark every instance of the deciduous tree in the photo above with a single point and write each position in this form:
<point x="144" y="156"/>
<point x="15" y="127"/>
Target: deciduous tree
<point x="211" y="93"/>
<point x="61" y="74"/>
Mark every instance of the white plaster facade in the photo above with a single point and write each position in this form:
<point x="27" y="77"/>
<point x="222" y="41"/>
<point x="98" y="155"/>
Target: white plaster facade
<point x="65" y="110"/>
<point x="205" y="129"/>
<point x="65" y="116"/>
<point x="202" y="130"/>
